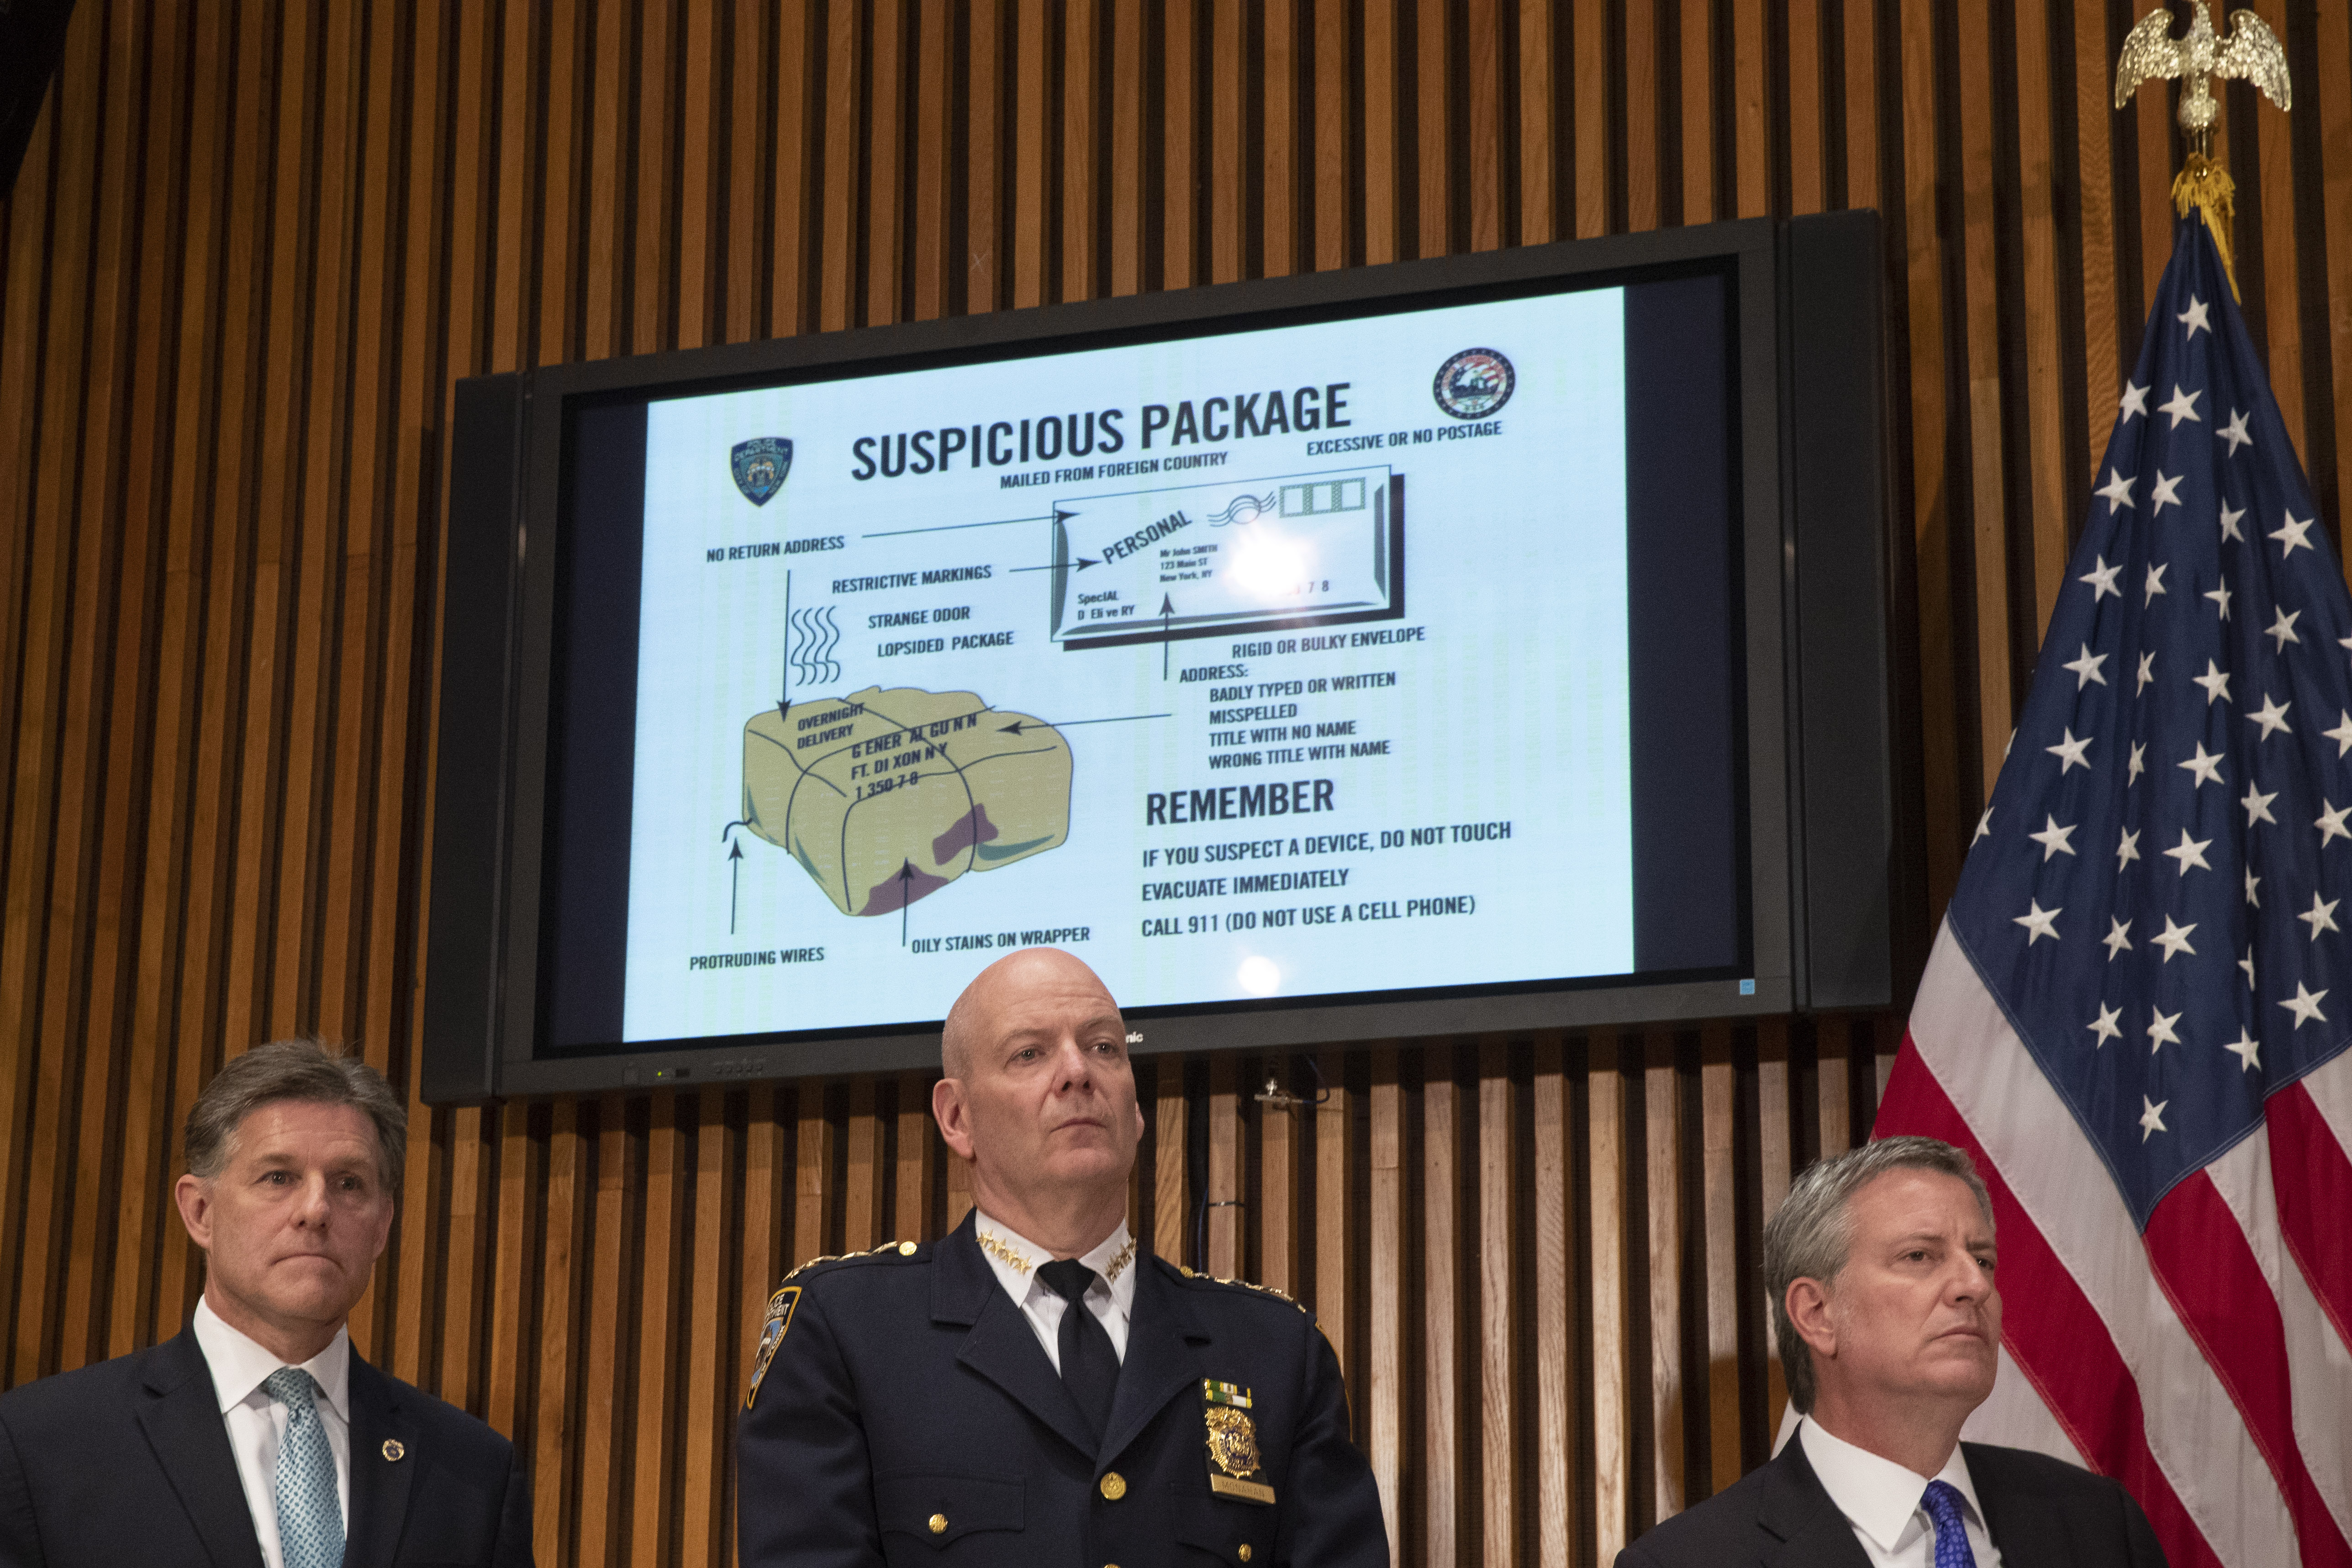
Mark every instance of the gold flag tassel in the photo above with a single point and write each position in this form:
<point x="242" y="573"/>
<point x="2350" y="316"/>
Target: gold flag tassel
<point x="2206" y="186"/>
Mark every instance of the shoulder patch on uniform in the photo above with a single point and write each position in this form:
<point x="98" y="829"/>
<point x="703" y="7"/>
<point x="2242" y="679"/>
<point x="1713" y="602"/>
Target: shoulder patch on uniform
<point x="888" y="1250"/>
<point x="772" y="1334"/>
<point x="1198" y="1278"/>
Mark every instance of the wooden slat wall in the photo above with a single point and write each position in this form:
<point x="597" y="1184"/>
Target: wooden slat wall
<point x="254" y="243"/>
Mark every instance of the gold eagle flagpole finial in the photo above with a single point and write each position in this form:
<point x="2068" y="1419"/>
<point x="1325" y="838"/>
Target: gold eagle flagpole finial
<point x="2251" y="51"/>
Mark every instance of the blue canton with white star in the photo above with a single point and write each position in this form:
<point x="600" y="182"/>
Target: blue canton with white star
<point x="2162" y="893"/>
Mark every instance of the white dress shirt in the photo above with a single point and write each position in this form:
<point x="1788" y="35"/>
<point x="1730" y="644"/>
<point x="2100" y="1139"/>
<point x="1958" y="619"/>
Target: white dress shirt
<point x="1881" y="1499"/>
<point x="256" y="1422"/>
<point x="1016" y="1258"/>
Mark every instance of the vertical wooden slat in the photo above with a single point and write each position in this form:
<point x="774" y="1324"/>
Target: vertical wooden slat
<point x="1384" y="239"/>
<point x="812" y="1169"/>
<point x="712" y="1340"/>
<point x="1433" y="180"/>
<point x="652" y="278"/>
<point x="1338" y="1175"/>
<point x="2050" y="455"/>
<point x="2092" y="70"/>
<point x="1613" y="1392"/>
<point x="521" y="1179"/>
<point x="752" y="115"/>
<point x="930" y="250"/>
<point x="1333" y="32"/>
<point x="1441" y="1307"/>
<point x="2333" y="92"/>
<point x="1751" y="130"/>
<point x="1172" y="1214"/>
<point x="1670" y="1381"/>
<point x="1224" y="1175"/>
<point x="1179" y="150"/>
<point x="2270" y="163"/>
<point x="884" y="158"/>
<point x="653" y="1501"/>
<point x="1127" y="148"/>
<point x="844" y="111"/>
<point x="602" y="1370"/>
<point x="1808" y="172"/>
<point x="1551" y="1204"/>
<point x="698" y="198"/>
<point x="798" y="51"/>
<point x="1082" y="112"/>
<point x="1594" y="127"/>
<point x="555" y="1525"/>
<point x="1228" y="174"/>
<point x="1386" y="1329"/>
<point x="1988" y="477"/>
<point x="1482" y="49"/>
<point x="1539" y="113"/>
<point x="1773" y="1160"/>
<point x="1277" y="1198"/>
<point x="1725" y="1286"/>
<point x="1641" y="154"/>
<point x="919" y="1149"/>
<point x="1500" y="1214"/>
<point x="1698" y="86"/>
<point x="1279" y="221"/>
<point x="866" y="1181"/>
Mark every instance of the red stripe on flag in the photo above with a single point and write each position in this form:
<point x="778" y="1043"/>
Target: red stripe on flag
<point x="2313" y="1181"/>
<point x="2049" y="1324"/>
<point x="2209" y="1270"/>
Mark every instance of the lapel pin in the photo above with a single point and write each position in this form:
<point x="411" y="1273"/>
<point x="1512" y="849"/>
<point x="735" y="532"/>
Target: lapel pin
<point x="393" y="1449"/>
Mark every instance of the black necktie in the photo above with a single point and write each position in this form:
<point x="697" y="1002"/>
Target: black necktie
<point x="1089" y="1366"/>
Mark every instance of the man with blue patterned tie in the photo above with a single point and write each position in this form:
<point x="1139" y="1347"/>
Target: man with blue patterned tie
<point x="257" y="1438"/>
<point x="1881" y="1265"/>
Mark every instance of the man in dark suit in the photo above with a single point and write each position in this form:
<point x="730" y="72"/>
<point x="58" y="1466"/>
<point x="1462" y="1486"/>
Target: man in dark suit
<point x="1029" y="1390"/>
<point x="1880" y="1263"/>
<point x="257" y="1437"/>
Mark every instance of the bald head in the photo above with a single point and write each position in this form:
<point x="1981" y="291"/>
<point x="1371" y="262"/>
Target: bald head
<point x="1015" y="977"/>
<point x="1038" y="1094"/>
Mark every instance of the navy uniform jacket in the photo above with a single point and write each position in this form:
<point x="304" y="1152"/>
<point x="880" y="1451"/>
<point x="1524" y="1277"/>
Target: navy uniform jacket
<point x="907" y="1415"/>
<point x="128" y="1462"/>
<point x="2042" y="1512"/>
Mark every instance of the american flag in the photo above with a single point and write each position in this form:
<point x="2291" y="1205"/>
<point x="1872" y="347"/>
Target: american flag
<point x="2136" y="1013"/>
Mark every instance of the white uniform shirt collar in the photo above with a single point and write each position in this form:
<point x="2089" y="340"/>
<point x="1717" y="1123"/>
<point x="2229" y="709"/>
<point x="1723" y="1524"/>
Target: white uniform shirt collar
<point x="1015" y="1259"/>
<point x="239" y="1365"/>
<point x="1878" y="1495"/>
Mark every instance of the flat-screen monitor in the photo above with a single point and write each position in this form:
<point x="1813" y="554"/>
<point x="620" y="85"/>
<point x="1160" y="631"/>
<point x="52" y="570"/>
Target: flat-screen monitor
<point x="1382" y="653"/>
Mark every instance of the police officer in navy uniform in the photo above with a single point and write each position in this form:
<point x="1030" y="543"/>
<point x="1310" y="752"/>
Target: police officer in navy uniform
<point x="1030" y="1390"/>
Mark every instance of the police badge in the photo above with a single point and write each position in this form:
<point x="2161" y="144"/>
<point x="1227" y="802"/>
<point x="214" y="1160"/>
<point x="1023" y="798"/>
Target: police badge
<point x="1232" y="1442"/>
<point x="772" y="1334"/>
<point x="761" y="465"/>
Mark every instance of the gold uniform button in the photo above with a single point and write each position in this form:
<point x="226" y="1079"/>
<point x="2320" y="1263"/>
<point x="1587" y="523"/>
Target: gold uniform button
<point x="905" y="1249"/>
<point x="1243" y="1553"/>
<point x="1114" y="1487"/>
<point x="938" y="1524"/>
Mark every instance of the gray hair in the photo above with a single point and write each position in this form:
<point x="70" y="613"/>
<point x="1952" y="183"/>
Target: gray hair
<point x="1812" y="1233"/>
<point x="301" y="1069"/>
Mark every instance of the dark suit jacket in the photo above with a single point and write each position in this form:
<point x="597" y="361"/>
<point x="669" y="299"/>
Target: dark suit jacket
<point x="908" y="1386"/>
<point x="2042" y="1512"/>
<point x="128" y="1462"/>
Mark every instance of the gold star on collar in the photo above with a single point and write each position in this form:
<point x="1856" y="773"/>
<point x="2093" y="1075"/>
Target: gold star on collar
<point x="1011" y="1257"/>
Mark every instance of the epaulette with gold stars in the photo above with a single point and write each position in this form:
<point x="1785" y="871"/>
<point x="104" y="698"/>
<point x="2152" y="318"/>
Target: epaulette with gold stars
<point x="1197" y="1276"/>
<point x="888" y="1250"/>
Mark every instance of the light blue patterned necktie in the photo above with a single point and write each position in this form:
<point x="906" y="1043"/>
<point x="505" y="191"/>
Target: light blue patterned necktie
<point x="310" y="1516"/>
<point x="1942" y="1502"/>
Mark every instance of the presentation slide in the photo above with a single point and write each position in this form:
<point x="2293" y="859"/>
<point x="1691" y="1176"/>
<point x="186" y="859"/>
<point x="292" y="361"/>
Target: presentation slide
<point x="1265" y="665"/>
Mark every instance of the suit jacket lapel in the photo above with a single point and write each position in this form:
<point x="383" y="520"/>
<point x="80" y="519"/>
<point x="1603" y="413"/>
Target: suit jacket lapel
<point x="2019" y="1527"/>
<point x="1163" y="1357"/>
<point x="379" y="1501"/>
<point x="1797" y="1509"/>
<point x="1001" y="1347"/>
<point x="181" y="1418"/>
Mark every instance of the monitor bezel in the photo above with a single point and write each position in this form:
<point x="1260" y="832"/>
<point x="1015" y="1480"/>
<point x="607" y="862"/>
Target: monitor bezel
<point x="512" y="949"/>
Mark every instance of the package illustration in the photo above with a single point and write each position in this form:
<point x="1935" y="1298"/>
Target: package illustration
<point x="886" y="796"/>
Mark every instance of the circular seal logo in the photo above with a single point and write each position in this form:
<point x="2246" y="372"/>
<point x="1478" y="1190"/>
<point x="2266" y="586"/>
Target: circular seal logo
<point x="1474" y="383"/>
